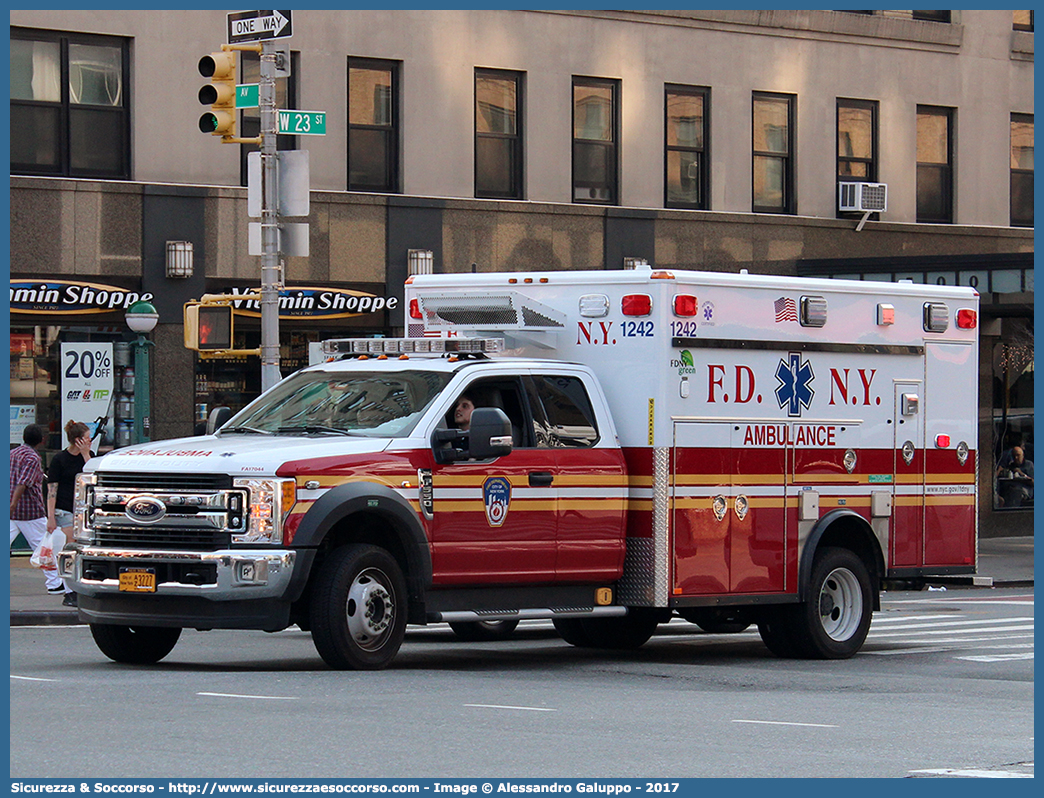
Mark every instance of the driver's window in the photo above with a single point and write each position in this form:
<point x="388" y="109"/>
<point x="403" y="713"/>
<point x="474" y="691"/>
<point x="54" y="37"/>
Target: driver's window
<point x="504" y="394"/>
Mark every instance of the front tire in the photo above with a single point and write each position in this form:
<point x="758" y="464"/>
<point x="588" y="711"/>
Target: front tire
<point x="358" y="608"/>
<point x="483" y="631"/>
<point x="834" y="621"/>
<point x="135" y="645"/>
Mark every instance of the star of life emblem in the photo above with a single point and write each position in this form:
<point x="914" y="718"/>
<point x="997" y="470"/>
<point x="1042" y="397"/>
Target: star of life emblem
<point x="795" y="384"/>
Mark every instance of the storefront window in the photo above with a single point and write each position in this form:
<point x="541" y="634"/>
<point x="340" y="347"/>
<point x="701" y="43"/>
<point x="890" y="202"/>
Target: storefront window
<point x="40" y="381"/>
<point x="1013" y="418"/>
<point x="34" y="392"/>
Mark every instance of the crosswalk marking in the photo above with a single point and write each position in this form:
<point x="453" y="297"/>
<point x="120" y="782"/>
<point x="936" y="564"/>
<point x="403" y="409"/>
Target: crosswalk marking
<point x="997" y="657"/>
<point x="973" y="630"/>
<point x="936" y="624"/>
<point x="975" y="773"/>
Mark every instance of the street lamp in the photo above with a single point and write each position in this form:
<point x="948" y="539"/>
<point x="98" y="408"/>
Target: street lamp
<point x="141" y="318"/>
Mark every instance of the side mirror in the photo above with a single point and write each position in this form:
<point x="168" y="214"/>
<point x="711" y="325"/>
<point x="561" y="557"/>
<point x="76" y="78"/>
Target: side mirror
<point x="217" y="418"/>
<point x="490" y="433"/>
<point x="489" y="436"/>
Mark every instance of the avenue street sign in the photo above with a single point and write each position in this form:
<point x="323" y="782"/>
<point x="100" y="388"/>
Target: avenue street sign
<point x="255" y="26"/>
<point x="302" y="123"/>
<point x="247" y="95"/>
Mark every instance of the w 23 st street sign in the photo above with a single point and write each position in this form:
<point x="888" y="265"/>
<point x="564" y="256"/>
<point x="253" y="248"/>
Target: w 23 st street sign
<point x="302" y="123"/>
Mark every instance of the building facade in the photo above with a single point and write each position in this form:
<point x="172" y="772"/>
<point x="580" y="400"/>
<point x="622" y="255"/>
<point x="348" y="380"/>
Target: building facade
<point x="514" y="140"/>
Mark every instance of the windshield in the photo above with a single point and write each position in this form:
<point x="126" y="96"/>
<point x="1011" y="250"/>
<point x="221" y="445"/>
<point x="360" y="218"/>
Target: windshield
<point x="374" y="404"/>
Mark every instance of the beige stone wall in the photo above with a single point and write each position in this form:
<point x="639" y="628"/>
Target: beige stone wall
<point x="75" y="228"/>
<point x="81" y="228"/>
<point x="977" y="65"/>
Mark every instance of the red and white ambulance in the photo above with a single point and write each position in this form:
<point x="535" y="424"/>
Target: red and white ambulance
<point x="734" y="448"/>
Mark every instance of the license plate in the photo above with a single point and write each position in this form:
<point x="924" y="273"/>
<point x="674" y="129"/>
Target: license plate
<point x="138" y="580"/>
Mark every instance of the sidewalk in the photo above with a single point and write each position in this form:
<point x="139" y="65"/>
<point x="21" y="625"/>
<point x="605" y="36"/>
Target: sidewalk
<point x="1005" y="562"/>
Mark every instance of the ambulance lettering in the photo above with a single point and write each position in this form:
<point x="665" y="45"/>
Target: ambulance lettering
<point x="587" y="333"/>
<point x="743" y="384"/>
<point x="839" y="381"/>
<point x="807" y="435"/>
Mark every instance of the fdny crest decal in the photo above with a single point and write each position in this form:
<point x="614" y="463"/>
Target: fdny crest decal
<point x="496" y="493"/>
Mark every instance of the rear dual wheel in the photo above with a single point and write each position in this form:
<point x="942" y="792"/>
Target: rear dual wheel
<point x="834" y="620"/>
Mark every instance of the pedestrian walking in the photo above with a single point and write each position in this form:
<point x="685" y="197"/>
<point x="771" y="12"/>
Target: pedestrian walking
<point x="28" y="514"/>
<point x="61" y="483"/>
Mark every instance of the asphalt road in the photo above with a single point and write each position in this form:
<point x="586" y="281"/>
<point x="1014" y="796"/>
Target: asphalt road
<point x="944" y="686"/>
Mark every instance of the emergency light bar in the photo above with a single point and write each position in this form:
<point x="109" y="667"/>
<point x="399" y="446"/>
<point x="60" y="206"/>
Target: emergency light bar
<point x="411" y="346"/>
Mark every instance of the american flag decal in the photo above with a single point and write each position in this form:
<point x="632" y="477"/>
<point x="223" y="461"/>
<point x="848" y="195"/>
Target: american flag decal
<point x="786" y="310"/>
<point x="418" y="331"/>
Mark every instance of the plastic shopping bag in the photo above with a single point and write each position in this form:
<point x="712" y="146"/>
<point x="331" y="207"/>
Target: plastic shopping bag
<point x="45" y="556"/>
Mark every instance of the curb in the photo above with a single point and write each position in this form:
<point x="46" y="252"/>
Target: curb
<point x="978" y="581"/>
<point x="46" y="618"/>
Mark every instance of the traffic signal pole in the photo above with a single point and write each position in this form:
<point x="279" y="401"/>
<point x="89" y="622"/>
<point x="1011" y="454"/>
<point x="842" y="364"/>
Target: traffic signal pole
<point x="270" y="266"/>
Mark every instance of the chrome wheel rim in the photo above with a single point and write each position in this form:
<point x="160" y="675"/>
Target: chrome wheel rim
<point x="370" y="609"/>
<point x="840" y="604"/>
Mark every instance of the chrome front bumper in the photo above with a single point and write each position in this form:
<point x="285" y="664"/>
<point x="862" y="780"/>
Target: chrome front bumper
<point x="241" y="574"/>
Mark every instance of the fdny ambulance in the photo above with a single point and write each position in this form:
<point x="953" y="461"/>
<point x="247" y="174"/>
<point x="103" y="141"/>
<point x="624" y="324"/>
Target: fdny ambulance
<point x="735" y="448"/>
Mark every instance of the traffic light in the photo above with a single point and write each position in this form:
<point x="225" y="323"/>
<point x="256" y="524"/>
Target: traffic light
<point x="219" y="94"/>
<point x="208" y="327"/>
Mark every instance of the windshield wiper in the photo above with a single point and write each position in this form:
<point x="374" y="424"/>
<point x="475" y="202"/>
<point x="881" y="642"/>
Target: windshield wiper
<point x="244" y="428"/>
<point x="313" y="429"/>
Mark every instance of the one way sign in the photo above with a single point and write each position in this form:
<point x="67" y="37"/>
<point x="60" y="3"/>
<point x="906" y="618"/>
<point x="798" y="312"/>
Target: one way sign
<point x="255" y="26"/>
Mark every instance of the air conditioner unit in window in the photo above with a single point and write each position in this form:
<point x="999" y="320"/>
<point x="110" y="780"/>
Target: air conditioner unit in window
<point x="862" y="197"/>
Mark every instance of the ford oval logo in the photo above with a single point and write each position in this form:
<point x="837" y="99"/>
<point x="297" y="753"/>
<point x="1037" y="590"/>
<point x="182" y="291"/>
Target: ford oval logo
<point x="145" y="509"/>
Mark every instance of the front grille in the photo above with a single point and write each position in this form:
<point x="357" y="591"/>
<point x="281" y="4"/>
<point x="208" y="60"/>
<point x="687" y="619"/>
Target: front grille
<point x="151" y="537"/>
<point x="165" y="482"/>
<point x="196" y="573"/>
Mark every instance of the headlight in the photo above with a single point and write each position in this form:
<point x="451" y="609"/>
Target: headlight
<point x="82" y="507"/>
<point x="268" y="503"/>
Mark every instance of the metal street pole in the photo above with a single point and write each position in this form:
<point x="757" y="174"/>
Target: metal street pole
<point x="270" y="273"/>
<point x="142" y="389"/>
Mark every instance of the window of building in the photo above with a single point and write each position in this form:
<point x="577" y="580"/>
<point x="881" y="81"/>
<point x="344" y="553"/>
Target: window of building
<point x="686" y="179"/>
<point x="1022" y="20"/>
<point x="70" y="112"/>
<point x="1022" y="170"/>
<point x="373" y="125"/>
<point x="934" y="165"/>
<point x="498" y="134"/>
<point x="249" y="123"/>
<point x="773" y="148"/>
<point x="932" y="16"/>
<point x="856" y="141"/>
<point x="595" y="134"/>
<point x="1013" y="415"/>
